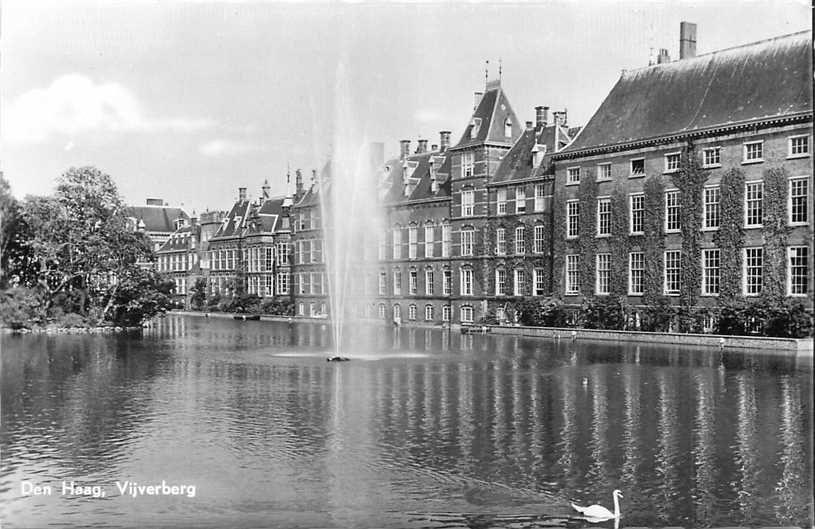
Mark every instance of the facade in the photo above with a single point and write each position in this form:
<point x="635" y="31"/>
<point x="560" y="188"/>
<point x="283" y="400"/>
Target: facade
<point x="157" y="220"/>
<point x="310" y="286"/>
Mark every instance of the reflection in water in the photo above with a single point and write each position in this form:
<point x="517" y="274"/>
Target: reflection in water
<point x="480" y="430"/>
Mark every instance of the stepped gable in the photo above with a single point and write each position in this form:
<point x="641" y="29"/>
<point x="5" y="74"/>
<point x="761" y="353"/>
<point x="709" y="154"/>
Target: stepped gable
<point x="753" y="82"/>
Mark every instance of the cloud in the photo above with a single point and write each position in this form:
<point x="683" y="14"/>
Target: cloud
<point x="225" y="147"/>
<point x="73" y="104"/>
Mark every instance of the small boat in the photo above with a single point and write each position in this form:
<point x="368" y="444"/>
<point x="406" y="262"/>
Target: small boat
<point x="245" y="317"/>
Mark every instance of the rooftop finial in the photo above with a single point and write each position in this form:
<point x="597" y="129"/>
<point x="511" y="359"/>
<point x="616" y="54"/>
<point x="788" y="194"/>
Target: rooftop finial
<point x="486" y="72"/>
<point x="500" y="68"/>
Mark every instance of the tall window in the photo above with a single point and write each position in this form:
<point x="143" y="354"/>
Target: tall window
<point x="539" y="196"/>
<point x="282" y="283"/>
<point x="754" y="151"/>
<point x="710" y="272"/>
<point x="397" y="282"/>
<point x="500" y="281"/>
<point x="603" y="270"/>
<point x="428" y="312"/>
<point x="798" y="270"/>
<point x="447" y="283"/>
<point x="753" y="267"/>
<point x="538" y="282"/>
<point x="445" y="313"/>
<point x="711" y="207"/>
<point x="603" y="217"/>
<point x="798" y="146"/>
<point x="380" y="310"/>
<point x="414" y="282"/>
<point x="672" y="162"/>
<point x="637" y="213"/>
<point x="520" y="199"/>
<point x="712" y="157"/>
<point x="604" y="171"/>
<point x="572" y="274"/>
<point x="537" y="244"/>
<point x="501" y="200"/>
<point x="636" y="273"/>
<point x="798" y="200"/>
<point x="446" y="239"/>
<point x="500" y="241"/>
<point x="467" y="164"/>
<point x="428" y="282"/>
<point x="673" y="267"/>
<point x="520" y="282"/>
<point x="572" y="218"/>
<point x="466" y="314"/>
<point x="520" y="243"/>
<point x="383" y="281"/>
<point x="753" y="199"/>
<point x="413" y="236"/>
<point x="466" y="282"/>
<point x="508" y="128"/>
<point x="412" y="312"/>
<point x="672" y="213"/>
<point x="467" y="241"/>
<point x="467" y="202"/>
<point x="397" y="243"/>
<point x="428" y="241"/>
<point x="573" y="175"/>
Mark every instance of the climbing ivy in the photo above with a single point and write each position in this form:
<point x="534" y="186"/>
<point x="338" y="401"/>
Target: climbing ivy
<point x="730" y="236"/>
<point x="558" y="241"/>
<point x="618" y="243"/>
<point x="587" y="229"/>
<point x="690" y="179"/>
<point x="776" y="233"/>
<point x="653" y="242"/>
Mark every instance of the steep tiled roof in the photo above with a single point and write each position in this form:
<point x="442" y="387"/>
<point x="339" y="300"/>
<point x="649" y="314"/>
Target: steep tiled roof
<point x="517" y="162"/>
<point x="264" y="219"/>
<point x="419" y="176"/>
<point x="181" y="239"/>
<point x="156" y="218"/>
<point x="490" y="116"/>
<point x="234" y="221"/>
<point x="756" y="81"/>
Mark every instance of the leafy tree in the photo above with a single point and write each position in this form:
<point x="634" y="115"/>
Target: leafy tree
<point x="13" y="255"/>
<point x="199" y="294"/>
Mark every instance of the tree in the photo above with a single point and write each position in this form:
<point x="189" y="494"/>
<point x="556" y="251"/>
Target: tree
<point x="13" y="255"/>
<point x="199" y="294"/>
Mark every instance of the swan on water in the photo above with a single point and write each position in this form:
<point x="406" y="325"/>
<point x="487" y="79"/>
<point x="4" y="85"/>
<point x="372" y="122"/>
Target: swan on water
<point x="598" y="513"/>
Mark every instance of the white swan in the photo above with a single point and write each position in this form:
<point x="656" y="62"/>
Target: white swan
<point x="598" y="513"/>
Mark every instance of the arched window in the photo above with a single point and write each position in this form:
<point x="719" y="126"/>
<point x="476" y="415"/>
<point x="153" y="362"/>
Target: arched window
<point x="428" y="312"/>
<point x="397" y="312"/>
<point x="412" y="312"/>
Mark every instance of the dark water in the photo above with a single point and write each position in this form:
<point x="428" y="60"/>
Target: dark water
<point x="434" y="429"/>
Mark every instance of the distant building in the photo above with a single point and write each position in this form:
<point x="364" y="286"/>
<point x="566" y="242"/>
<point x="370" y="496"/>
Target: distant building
<point x="157" y="220"/>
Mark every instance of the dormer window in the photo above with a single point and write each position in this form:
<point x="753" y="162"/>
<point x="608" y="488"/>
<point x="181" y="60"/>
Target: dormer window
<point x="508" y="128"/>
<point x="474" y="127"/>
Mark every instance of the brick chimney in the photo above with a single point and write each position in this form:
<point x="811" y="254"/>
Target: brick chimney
<point x="404" y="149"/>
<point x="687" y="40"/>
<point x="422" y="147"/>
<point x="241" y="194"/>
<point x="541" y="116"/>
<point x="298" y="183"/>
<point x="265" y="194"/>
<point x="663" y="56"/>
<point x="444" y="140"/>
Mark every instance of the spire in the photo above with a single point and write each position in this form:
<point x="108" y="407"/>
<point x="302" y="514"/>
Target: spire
<point x="486" y="72"/>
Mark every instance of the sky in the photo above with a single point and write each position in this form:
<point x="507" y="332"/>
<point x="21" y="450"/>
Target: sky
<point x="187" y="101"/>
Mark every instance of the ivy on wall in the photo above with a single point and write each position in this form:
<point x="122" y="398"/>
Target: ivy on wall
<point x="690" y="179"/>
<point x="618" y="243"/>
<point x="587" y="229"/>
<point x="730" y="236"/>
<point x="776" y="233"/>
<point x="558" y="241"/>
<point x="653" y="242"/>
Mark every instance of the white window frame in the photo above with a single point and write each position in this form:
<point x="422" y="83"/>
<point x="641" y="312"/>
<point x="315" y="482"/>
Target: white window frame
<point x="428" y="312"/>
<point x="718" y="203"/>
<point x="572" y="176"/>
<point x="631" y="197"/>
<point x="520" y="240"/>
<point x="397" y="242"/>
<point x="467" y="203"/>
<point x="466" y="314"/>
<point x="718" y="151"/>
<point x="467" y="164"/>
<point x="500" y="281"/>
<point x="467" y="236"/>
<point x="678" y="269"/>
<point x="397" y="282"/>
<point x="446" y="239"/>
<point x="520" y="199"/>
<point x="501" y="201"/>
<point x="572" y="289"/>
<point x="569" y="204"/>
<point x="413" y="242"/>
<point x="678" y="211"/>
<point x="447" y="282"/>
<point x="412" y="312"/>
<point x="445" y="313"/>
<point x="383" y="283"/>
<point x="598" y="278"/>
<point x="745" y="145"/>
<point x="603" y="201"/>
<point x="670" y="157"/>
<point x="747" y="201"/>
<point x="706" y="270"/>
<point x="790" y="221"/>
<point x="466" y="281"/>
<point x="632" y="174"/>
<point x="428" y="240"/>
<point x="539" y="190"/>
<point x="429" y="278"/>
<point x="745" y="259"/>
<point x="413" y="282"/>
<point x="790" y="154"/>
<point x="640" y="269"/>
<point x="538" y="238"/>
<point x="518" y="282"/>
<point x="601" y="167"/>
<point x="807" y="273"/>
<point x="500" y="241"/>
<point x="538" y="282"/>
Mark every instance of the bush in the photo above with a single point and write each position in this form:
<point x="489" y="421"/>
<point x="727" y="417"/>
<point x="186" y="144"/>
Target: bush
<point x="277" y="307"/>
<point x="657" y="317"/>
<point x="213" y="302"/>
<point x="607" y="312"/>
<point x="548" y="312"/>
<point x="21" y="308"/>
<point x="765" y="317"/>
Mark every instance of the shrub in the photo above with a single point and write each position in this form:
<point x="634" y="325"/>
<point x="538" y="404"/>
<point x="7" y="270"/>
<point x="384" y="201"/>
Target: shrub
<point x="607" y="312"/>
<point x="21" y="308"/>
<point x="277" y="307"/>
<point x="657" y="316"/>
<point x="548" y="312"/>
<point x="70" y="320"/>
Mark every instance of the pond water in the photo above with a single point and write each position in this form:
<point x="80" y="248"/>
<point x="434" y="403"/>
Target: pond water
<point x="422" y="428"/>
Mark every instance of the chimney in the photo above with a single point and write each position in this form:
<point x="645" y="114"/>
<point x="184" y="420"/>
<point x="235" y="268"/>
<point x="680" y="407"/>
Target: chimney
<point x="155" y="202"/>
<point x="265" y="190"/>
<point x="298" y="183"/>
<point x="663" y="56"/>
<point x="404" y="149"/>
<point x="444" y="140"/>
<point x="434" y="147"/>
<point x="687" y="40"/>
<point x="559" y="118"/>
<point x="422" y="146"/>
<point x="241" y="194"/>
<point x="528" y="125"/>
<point x="477" y="99"/>
<point x="541" y="117"/>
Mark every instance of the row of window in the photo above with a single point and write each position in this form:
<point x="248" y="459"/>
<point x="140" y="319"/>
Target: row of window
<point x="263" y="285"/>
<point x="466" y="312"/>
<point x="257" y="259"/>
<point x="178" y="262"/>
<point x="413" y="282"/>
<point x="413" y="243"/>
<point x="308" y="251"/>
<point x="752" y="152"/>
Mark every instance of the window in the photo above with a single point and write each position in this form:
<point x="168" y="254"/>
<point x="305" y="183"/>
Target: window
<point x="520" y="243"/>
<point x="753" y="266"/>
<point x="466" y="282"/>
<point x="397" y="243"/>
<point x="520" y="199"/>
<point x="445" y="313"/>
<point x="753" y="151"/>
<point x="604" y="171"/>
<point x="467" y="241"/>
<point x="537" y="243"/>
<point x="428" y="282"/>
<point x="637" y="213"/>
<point x="413" y="282"/>
<point x="572" y="218"/>
<point x="798" y="200"/>
<point x="539" y="196"/>
<point x="500" y="281"/>
<point x="572" y="175"/>
<point x="467" y="164"/>
<point x="520" y="283"/>
<point x="446" y="239"/>
<point x="572" y="274"/>
<point x="412" y="312"/>
<point x="380" y="310"/>
<point x="428" y="312"/>
<point x="603" y="217"/>
<point x="636" y="273"/>
<point x="711" y="208"/>
<point x="282" y="283"/>
<point x="672" y="162"/>
<point x="413" y="236"/>
<point x="672" y="212"/>
<point x="712" y="157"/>
<point x="638" y="167"/>
<point x="467" y="202"/>
<point x="383" y="281"/>
<point x="508" y="128"/>
<point x="673" y="276"/>
<point x="798" y="146"/>
<point x="397" y="312"/>
<point x="501" y="200"/>
<point x="397" y="282"/>
<point x="603" y="270"/>
<point x="798" y="270"/>
<point x="538" y="282"/>
<point x="428" y="241"/>
<point x="466" y="314"/>
<point x="753" y="198"/>
<point x="447" y="284"/>
<point x="500" y="241"/>
<point x="710" y="272"/>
